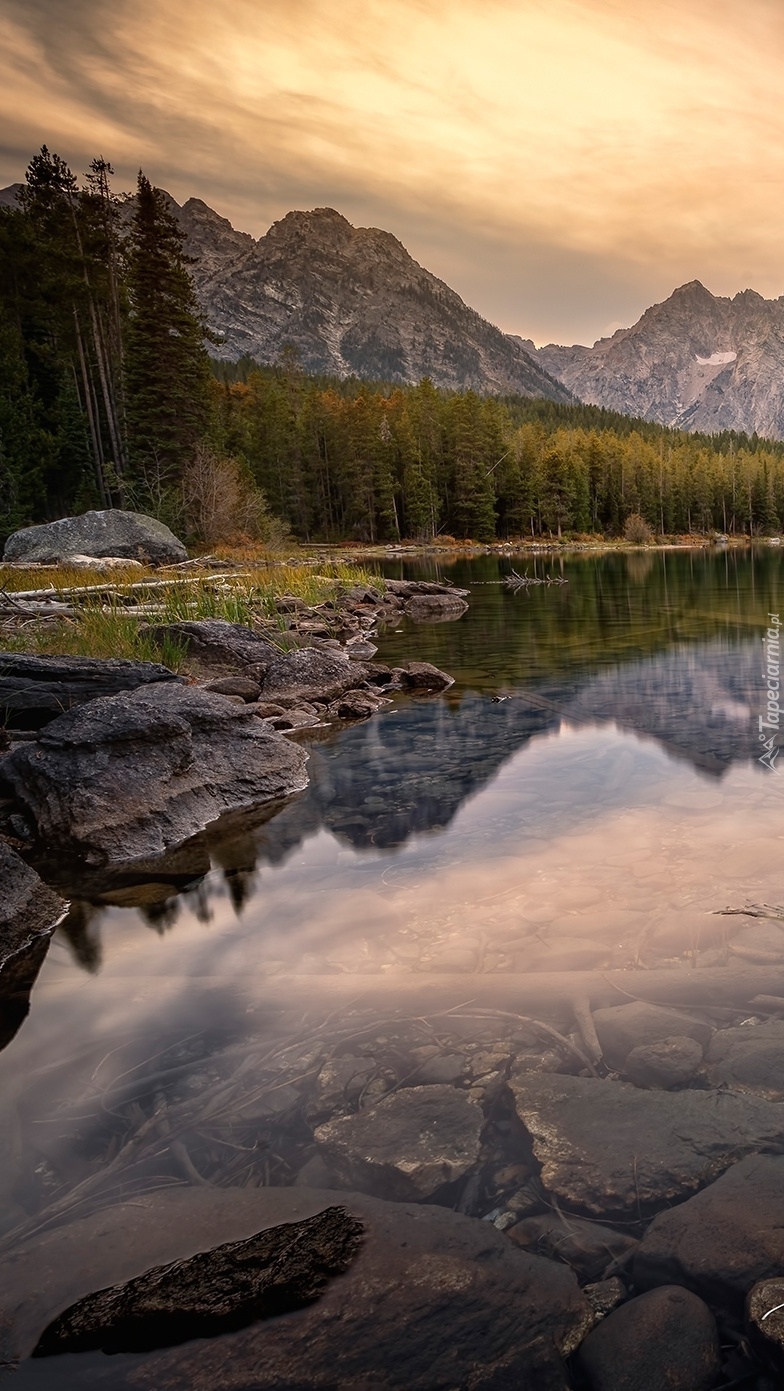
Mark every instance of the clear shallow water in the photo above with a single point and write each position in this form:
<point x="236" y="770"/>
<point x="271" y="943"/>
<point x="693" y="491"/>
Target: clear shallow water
<point x="587" y="795"/>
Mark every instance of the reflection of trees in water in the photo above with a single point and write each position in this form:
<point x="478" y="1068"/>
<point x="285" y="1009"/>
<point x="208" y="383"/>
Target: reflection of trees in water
<point x="81" y="930"/>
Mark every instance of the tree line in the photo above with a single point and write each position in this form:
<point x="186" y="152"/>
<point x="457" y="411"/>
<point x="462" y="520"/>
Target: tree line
<point x="352" y="460"/>
<point x="108" y="398"/>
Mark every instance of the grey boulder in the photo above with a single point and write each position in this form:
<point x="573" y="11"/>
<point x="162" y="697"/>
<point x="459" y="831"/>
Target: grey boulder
<point x="113" y="533"/>
<point x="220" y="646"/>
<point x="609" y="1149"/>
<point x="309" y="673"/>
<point x="132" y="775"/>
<point x="433" y="1299"/>
<point x="35" y="690"/>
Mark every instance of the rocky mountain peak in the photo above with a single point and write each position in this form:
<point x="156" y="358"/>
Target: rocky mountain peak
<point x="697" y="361"/>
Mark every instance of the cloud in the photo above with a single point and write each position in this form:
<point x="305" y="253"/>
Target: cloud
<point x="536" y="142"/>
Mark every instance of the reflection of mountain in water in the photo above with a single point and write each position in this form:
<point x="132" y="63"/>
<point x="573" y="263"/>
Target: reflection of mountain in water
<point x="700" y="701"/>
<point x="410" y="770"/>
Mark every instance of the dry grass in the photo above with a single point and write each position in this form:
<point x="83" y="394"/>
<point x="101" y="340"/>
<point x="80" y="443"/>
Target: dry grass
<point x="106" y="625"/>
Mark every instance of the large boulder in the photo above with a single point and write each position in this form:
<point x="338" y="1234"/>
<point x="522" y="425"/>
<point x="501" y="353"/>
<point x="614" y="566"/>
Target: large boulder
<point x="408" y="1145"/>
<point x="220" y="646"/>
<point x="29" y="911"/>
<point x="131" y="775"/>
<point x="724" y="1239"/>
<point x="433" y="1299"/>
<point x="608" y="1148"/>
<point x="121" y="535"/>
<point x="35" y="690"/>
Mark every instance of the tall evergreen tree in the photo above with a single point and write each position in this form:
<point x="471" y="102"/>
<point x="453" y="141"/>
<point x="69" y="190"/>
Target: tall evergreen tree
<point x="167" y="371"/>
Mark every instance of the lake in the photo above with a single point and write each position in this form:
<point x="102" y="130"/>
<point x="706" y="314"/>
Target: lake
<point x="588" y="796"/>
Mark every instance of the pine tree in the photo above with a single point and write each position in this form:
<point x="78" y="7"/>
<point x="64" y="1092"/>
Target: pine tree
<point x="167" y="371"/>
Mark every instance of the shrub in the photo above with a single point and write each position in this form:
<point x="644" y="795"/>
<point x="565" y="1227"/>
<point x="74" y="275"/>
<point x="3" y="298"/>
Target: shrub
<point x="637" y="531"/>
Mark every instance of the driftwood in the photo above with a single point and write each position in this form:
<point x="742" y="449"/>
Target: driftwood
<point x="14" y="596"/>
<point x="515" y="581"/>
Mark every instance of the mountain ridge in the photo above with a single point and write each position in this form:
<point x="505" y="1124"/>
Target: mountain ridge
<point x="696" y="361"/>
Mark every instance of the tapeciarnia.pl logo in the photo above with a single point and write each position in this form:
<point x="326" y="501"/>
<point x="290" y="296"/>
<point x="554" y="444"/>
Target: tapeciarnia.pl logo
<point x="771" y="720"/>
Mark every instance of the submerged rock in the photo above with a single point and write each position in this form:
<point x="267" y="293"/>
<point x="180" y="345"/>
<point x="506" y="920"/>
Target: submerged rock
<point x="131" y="775"/>
<point x="112" y="533"/>
<point x="35" y="690"/>
<point x="608" y="1148"/>
<point x="723" y="1240"/>
<point x="216" y="1291"/>
<point x="668" y="1063"/>
<point x="765" y="1321"/>
<point x="588" y="1247"/>
<point x="624" y="1027"/>
<point x="749" y="1059"/>
<point x="433" y="1299"/>
<point x="408" y="1145"/>
<point x="665" y="1340"/>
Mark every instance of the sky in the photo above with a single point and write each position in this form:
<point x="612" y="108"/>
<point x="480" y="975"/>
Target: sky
<point x="561" y="163"/>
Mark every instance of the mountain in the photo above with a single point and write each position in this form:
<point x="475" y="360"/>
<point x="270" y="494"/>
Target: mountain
<point x="698" y="362"/>
<point x="351" y="300"/>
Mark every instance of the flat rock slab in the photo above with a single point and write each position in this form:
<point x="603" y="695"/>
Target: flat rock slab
<point x="222" y="646"/>
<point x="111" y="532"/>
<point x="665" y="1340"/>
<point x="723" y="1240"/>
<point x="435" y="608"/>
<point x="624" y="1027"/>
<point x="408" y="1145"/>
<point x="129" y="776"/>
<point x="433" y="1299"/>
<point x="749" y="1059"/>
<point x="213" y="1292"/>
<point x="35" y="690"/>
<point x="610" y="1149"/>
